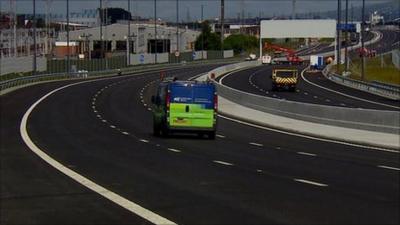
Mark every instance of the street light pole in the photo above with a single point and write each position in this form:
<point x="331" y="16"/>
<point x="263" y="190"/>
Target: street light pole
<point x="362" y="40"/>
<point x="202" y="35"/>
<point x="339" y="46"/>
<point x="177" y="25"/>
<point x="155" y="30"/>
<point x="68" y="50"/>
<point x="128" y="45"/>
<point x="346" y="54"/>
<point x="34" y="38"/>
<point x="222" y="23"/>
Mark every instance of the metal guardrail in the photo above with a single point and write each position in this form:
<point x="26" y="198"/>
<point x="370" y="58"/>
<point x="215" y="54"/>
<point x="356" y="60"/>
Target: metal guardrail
<point x="366" y="119"/>
<point x="20" y="81"/>
<point x="384" y="90"/>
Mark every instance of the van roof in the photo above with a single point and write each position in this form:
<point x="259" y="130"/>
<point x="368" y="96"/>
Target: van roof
<point x="196" y="83"/>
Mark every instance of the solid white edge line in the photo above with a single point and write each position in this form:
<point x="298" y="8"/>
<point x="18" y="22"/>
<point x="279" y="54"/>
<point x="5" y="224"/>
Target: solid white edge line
<point x="256" y="144"/>
<point x="174" y="150"/>
<point x="306" y="136"/>
<point x="389" y="167"/>
<point x="115" y="198"/>
<point x="306" y="153"/>
<point x="346" y="95"/>
<point x="311" y="182"/>
<point x="223" y="163"/>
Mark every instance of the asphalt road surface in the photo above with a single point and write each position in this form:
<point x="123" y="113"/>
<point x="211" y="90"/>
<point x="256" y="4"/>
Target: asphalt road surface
<point x="103" y="131"/>
<point x="257" y="80"/>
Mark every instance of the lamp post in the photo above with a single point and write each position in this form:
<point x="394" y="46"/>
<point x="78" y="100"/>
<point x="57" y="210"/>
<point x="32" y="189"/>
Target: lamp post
<point x="362" y="40"/>
<point x="34" y="38"/>
<point x="87" y="43"/>
<point x="155" y="31"/>
<point x="128" y="49"/>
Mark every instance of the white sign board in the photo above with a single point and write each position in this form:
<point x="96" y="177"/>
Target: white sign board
<point x="298" y="28"/>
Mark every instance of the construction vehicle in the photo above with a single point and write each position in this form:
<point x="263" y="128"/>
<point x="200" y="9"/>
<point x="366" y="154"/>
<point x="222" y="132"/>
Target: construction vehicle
<point x="366" y="52"/>
<point x="284" y="79"/>
<point x="291" y="56"/>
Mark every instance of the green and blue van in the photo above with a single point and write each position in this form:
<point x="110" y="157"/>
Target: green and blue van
<point x="185" y="106"/>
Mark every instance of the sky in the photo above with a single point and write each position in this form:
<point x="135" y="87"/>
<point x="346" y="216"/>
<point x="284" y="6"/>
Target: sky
<point x="166" y="9"/>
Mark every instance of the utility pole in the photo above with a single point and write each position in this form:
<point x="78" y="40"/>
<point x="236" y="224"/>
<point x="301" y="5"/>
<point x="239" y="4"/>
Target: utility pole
<point x="128" y="43"/>
<point x="346" y="53"/>
<point x="338" y="41"/>
<point x="34" y="38"/>
<point x="155" y="31"/>
<point x="177" y="25"/>
<point x="202" y="35"/>
<point x="293" y="9"/>
<point x="101" y="14"/>
<point x="68" y="50"/>
<point x="362" y="40"/>
<point x="222" y="23"/>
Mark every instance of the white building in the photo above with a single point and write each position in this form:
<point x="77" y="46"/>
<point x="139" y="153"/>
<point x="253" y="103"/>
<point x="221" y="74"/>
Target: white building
<point x="142" y="38"/>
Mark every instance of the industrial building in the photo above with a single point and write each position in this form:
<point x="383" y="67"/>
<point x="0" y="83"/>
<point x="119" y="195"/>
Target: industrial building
<point x="113" y="39"/>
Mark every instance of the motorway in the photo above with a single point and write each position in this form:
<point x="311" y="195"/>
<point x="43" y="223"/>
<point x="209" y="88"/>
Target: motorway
<point x="102" y="130"/>
<point x="312" y="88"/>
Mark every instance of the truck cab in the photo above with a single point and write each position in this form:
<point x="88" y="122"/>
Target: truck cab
<point x="185" y="106"/>
<point x="284" y="79"/>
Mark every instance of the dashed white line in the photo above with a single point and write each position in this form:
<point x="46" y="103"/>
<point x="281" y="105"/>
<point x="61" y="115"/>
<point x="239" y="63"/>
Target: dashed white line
<point x="311" y="182"/>
<point x="104" y="121"/>
<point x="306" y="153"/>
<point x="389" y="167"/>
<point x="108" y="194"/>
<point x="112" y="126"/>
<point x="256" y="144"/>
<point x="223" y="163"/>
<point x="144" y="140"/>
<point x="126" y="133"/>
<point x="174" y="150"/>
<point x="220" y="136"/>
<point x="259" y="171"/>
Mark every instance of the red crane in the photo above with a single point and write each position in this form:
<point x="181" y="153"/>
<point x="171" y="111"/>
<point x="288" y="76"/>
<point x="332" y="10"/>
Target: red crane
<point x="291" y="55"/>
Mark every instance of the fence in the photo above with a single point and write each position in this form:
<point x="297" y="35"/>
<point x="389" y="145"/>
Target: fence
<point x="24" y="64"/>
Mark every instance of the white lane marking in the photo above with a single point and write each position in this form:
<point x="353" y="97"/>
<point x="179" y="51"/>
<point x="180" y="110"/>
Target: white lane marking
<point x="389" y="167"/>
<point x="305" y="93"/>
<point x="315" y="97"/>
<point x="306" y="153"/>
<point x="174" y="150"/>
<point x="223" y="163"/>
<point x="311" y="182"/>
<point x="346" y="95"/>
<point x="220" y="136"/>
<point x="144" y="140"/>
<point x="309" y="137"/>
<point x="259" y="171"/>
<point x="112" y="126"/>
<point x="108" y="194"/>
<point x="256" y="144"/>
<point x="104" y="121"/>
<point x="278" y="148"/>
<point x="126" y="133"/>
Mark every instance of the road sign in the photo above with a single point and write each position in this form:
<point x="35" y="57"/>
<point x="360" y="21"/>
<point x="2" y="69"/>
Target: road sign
<point x="177" y="53"/>
<point x="141" y="58"/>
<point x="194" y="55"/>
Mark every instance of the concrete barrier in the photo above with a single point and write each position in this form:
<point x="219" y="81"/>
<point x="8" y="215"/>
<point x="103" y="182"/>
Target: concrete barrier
<point x="366" y="119"/>
<point x="21" y="64"/>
